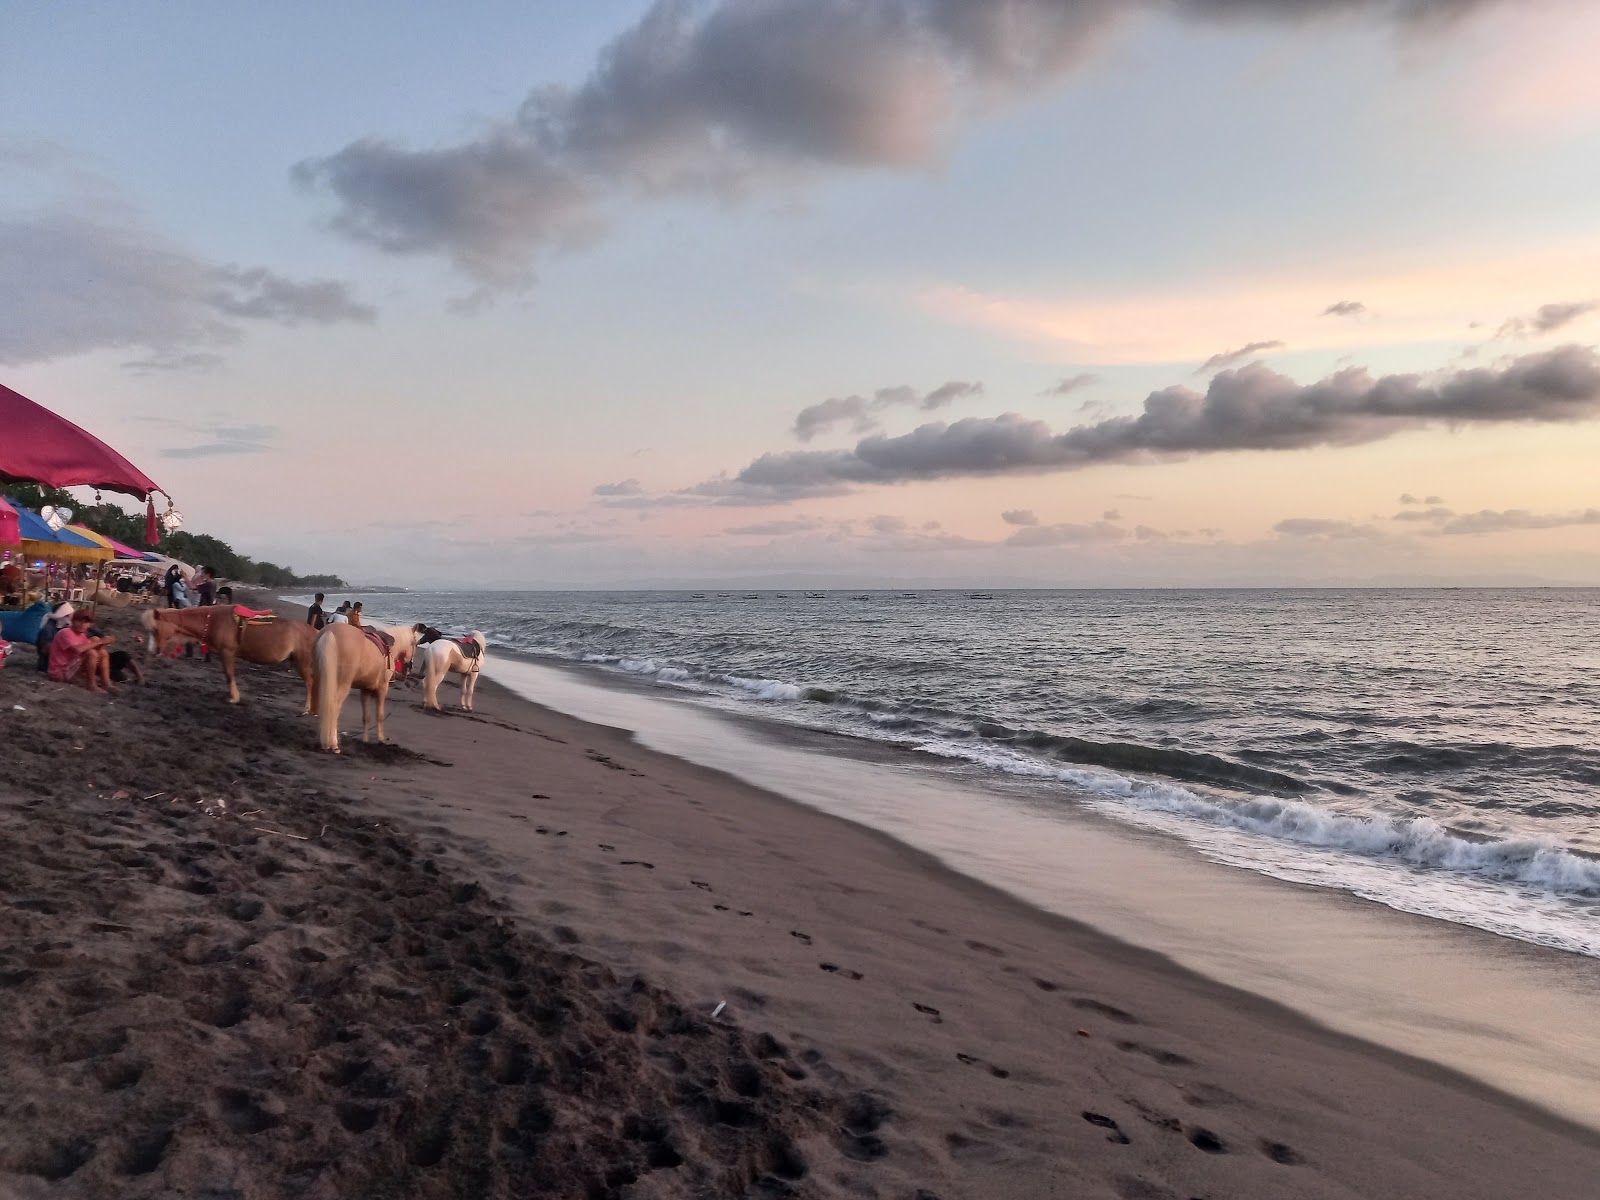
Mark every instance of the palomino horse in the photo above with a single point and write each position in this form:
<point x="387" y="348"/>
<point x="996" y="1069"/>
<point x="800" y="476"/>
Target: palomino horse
<point x="442" y="657"/>
<point x="266" y="640"/>
<point x="347" y="657"/>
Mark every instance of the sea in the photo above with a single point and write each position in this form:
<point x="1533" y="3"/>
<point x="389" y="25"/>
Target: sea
<point x="1434" y="751"/>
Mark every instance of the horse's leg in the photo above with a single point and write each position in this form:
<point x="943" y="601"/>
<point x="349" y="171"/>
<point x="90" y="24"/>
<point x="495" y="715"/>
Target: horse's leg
<point x="302" y="663"/>
<point x="366" y="714"/>
<point x="229" y="654"/>
<point x="430" y="684"/>
<point x="383" y="703"/>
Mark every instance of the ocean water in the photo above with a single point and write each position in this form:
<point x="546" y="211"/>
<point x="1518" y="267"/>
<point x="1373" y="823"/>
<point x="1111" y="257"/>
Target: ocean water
<point x="1435" y="751"/>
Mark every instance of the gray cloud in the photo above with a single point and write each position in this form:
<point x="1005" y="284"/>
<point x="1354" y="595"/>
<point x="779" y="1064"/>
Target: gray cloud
<point x="262" y="295"/>
<point x="1489" y="521"/>
<point x="1111" y="514"/>
<point x="1346" y="308"/>
<point x="1020" y="516"/>
<point x="1315" y="527"/>
<point x="627" y="487"/>
<point x="776" y="528"/>
<point x="70" y="284"/>
<point x="1252" y="408"/>
<point x="1228" y="357"/>
<point x="1068" y="534"/>
<point x="1424" y="514"/>
<point x="726" y="98"/>
<point x="227" y="439"/>
<point x="1548" y="319"/>
<point x="1070" y="384"/>
<point x="861" y="412"/>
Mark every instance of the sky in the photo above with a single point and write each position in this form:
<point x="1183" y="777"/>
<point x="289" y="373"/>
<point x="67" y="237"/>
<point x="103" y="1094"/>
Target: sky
<point x="638" y="293"/>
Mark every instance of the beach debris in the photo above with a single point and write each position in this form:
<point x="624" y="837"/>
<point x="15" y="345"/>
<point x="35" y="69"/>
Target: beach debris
<point x="717" y="1011"/>
<point x="19" y="708"/>
<point x="1083" y="1033"/>
<point x="281" y="833"/>
<point x="153" y="796"/>
<point x="120" y="794"/>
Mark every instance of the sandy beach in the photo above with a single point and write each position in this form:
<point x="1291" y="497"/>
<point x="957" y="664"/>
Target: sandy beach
<point x="484" y="962"/>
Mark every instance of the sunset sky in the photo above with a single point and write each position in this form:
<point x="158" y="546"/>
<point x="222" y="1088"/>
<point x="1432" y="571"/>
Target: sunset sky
<point x="921" y="292"/>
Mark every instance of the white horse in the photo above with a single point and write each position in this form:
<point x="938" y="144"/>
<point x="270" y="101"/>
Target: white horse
<point x="442" y="657"/>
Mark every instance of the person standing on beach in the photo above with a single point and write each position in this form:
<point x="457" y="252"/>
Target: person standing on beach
<point x="207" y="587"/>
<point x="314" y="615"/>
<point x="171" y="581"/>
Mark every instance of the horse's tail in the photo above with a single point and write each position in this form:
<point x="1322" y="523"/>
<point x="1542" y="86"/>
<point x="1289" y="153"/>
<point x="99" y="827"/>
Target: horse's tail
<point x="325" y="670"/>
<point x="151" y="622"/>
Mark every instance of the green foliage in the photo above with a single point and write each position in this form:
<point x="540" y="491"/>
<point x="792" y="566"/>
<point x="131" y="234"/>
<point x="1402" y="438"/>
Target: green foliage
<point x="198" y="549"/>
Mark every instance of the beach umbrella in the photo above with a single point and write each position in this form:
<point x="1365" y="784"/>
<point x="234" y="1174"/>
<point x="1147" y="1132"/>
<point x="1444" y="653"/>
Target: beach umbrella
<point x="10" y="533"/>
<point x="62" y="545"/>
<point x="37" y="446"/>
<point x="118" y="549"/>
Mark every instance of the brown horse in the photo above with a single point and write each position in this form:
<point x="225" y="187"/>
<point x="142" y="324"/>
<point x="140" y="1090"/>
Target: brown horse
<point x="345" y="657"/>
<point x="233" y="636"/>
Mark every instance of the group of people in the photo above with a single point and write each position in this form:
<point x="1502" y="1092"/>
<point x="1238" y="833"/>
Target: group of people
<point x="346" y="614"/>
<point x="201" y="591"/>
<point x="73" y="649"/>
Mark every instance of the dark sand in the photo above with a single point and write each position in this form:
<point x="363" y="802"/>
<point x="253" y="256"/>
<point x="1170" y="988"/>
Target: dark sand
<point x="489" y="972"/>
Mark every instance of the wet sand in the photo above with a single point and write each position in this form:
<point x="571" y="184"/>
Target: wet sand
<point x="490" y="967"/>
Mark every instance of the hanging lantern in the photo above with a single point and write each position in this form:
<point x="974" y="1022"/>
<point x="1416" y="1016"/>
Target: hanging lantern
<point x="54" y="517"/>
<point x="172" y="519"/>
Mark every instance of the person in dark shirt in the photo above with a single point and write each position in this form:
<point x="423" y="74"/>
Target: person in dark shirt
<point x="170" y="582"/>
<point x="314" y="615"/>
<point x="207" y="587"/>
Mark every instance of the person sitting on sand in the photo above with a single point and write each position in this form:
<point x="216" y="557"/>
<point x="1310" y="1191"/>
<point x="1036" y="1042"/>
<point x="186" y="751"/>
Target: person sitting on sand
<point x="355" y="614"/>
<point x="74" y="655"/>
<point x="340" y="615"/>
<point x="122" y="663"/>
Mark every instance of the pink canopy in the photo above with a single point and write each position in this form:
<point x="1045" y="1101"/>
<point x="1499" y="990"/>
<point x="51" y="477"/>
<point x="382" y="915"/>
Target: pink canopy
<point x="10" y="534"/>
<point x="36" y="446"/>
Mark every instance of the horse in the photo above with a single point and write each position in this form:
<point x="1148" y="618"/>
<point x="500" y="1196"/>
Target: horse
<point x="447" y="655"/>
<point x="346" y="657"/>
<point x="233" y="635"/>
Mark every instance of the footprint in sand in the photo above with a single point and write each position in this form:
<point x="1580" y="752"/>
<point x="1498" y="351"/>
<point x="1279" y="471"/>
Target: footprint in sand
<point x="836" y="969"/>
<point x="635" y="862"/>
<point x="722" y="908"/>
<point x="1102" y="1121"/>
<point x="604" y="846"/>
<point x="1167" y="1058"/>
<point x="928" y="1010"/>
<point x="804" y="939"/>
<point x="539" y="796"/>
<point x="704" y="887"/>
<point x="973" y="1060"/>
<point x="1105" y="1010"/>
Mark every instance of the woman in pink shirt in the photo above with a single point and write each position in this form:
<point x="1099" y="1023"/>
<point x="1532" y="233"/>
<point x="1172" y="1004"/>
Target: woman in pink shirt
<point x="74" y="653"/>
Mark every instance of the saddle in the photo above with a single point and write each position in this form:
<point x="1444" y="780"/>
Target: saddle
<point x="254" y="616"/>
<point x="469" y="648"/>
<point x="381" y="640"/>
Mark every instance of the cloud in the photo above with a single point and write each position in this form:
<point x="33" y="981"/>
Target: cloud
<point x="861" y="412"/>
<point x="227" y="439"/>
<point x="1489" y="521"/>
<point x="627" y="487"/>
<point x="1433" y="500"/>
<point x="1314" y="527"/>
<point x="1228" y="357"/>
<point x="1408" y="498"/>
<point x="258" y="294"/>
<point x="669" y="500"/>
<point x="729" y="98"/>
<point x="1070" y="384"/>
<point x="1252" y="408"/>
<point x="1424" y="514"/>
<point x="71" y="283"/>
<point x="1111" y="514"/>
<point x="1346" y="308"/>
<point x="1068" y="535"/>
<point x="777" y="528"/>
<point x="1548" y="319"/>
<point x="1020" y="516"/>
